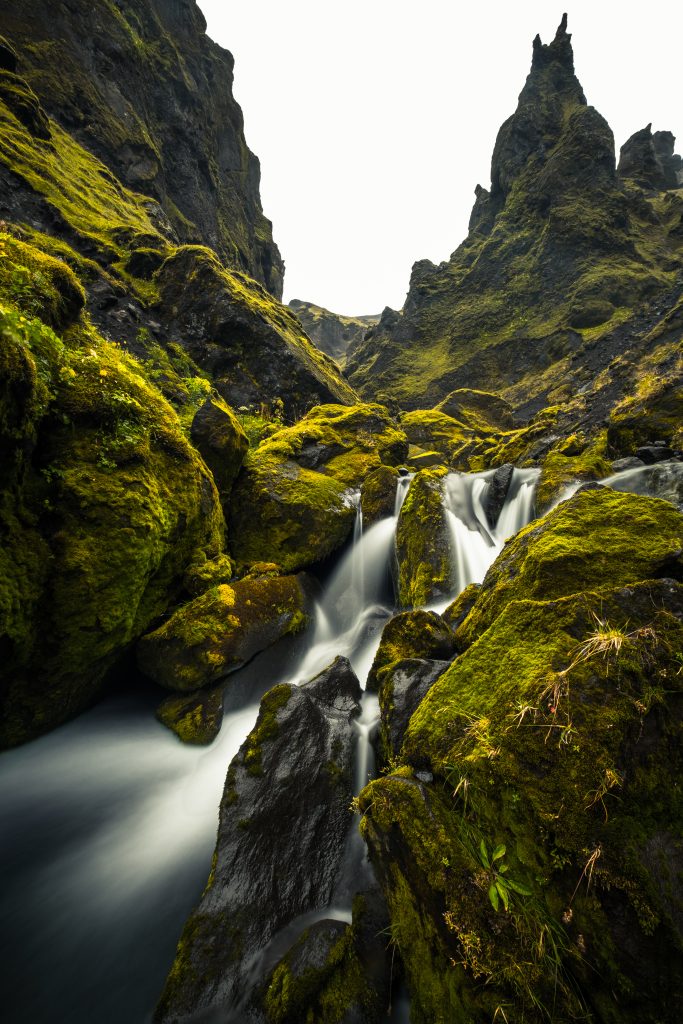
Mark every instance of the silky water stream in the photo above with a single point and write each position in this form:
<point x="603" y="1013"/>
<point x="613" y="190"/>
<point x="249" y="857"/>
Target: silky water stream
<point x="107" y="825"/>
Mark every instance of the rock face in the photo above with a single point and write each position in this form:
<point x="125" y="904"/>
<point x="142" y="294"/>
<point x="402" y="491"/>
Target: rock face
<point x="650" y="161"/>
<point x="552" y="298"/>
<point x="141" y="85"/>
<point x="222" y="629"/>
<point x="104" y="500"/>
<point x="404" y="685"/>
<point x="284" y="819"/>
<point x="333" y="333"/>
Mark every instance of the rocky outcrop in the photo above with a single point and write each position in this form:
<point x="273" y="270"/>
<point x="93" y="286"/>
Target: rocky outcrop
<point x="141" y="86"/>
<point x="423" y="546"/>
<point x="252" y="346"/>
<point x="222" y="629"/>
<point x="650" y="161"/>
<point x="333" y="333"/>
<point x="404" y="685"/>
<point x="378" y="494"/>
<point x="302" y="480"/>
<point x="284" y="819"/>
<point x="195" y="718"/>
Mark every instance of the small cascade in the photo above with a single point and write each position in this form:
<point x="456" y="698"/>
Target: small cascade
<point x="662" y="480"/>
<point x="475" y="544"/>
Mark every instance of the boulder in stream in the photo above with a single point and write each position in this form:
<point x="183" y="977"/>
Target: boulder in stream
<point x="284" y="819"/>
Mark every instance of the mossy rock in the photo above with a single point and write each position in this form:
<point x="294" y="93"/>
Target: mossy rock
<point x="207" y="573"/>
<point x="459" y="609"/>
<point x="434" y="431"/>
<point x="574" y="459"/>
<point x="218" y="437"/>
<point x="293" y="501"/>
<point x="195" y="718"/>
<point x="423" y="547"/>
<point x="222" y="629"/>
<point x="654" y="411"/>
<point x="414" y="634"/>
<point x="479" y="410"/>
<point x="554" y="744"/>
<point x="104" y="504"/>
<point x="378" y="494"/>
<point x="334" y="971"/>
<point x="598" y="537"/>
<point x="253" y="346"/>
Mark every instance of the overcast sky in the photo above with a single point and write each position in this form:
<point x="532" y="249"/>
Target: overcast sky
<point x="375" y="119"/>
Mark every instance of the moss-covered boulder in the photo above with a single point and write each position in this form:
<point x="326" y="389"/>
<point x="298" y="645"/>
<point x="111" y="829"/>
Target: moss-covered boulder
<point x="378" y="494"/>
<point x="599" y="536"/>
<point x="540" y="869"/>
<point x="423" y="544"/>
<point x="404" y="684"/>
<point x="205" y="573"/>
<point x="293" y="501"/>
<point x="222" y="629"/>
<point x="573" y="459"/>
<point x="255" y="348"/>
<point x="218" y="437"/>
<point x="414" y="634"/>
<point x="195" y="718"/>
<point x="435" y="431"/>
<point x="334" y="971"/>
<point x="103" y="500"/>
<point x="459" y="609"/>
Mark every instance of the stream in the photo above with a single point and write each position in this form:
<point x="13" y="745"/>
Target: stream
<point x="108" y="824"/>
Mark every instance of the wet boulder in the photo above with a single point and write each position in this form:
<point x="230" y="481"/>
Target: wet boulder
<point x="497" y="492"/>
<point x="335" y="973"/>
<point x="423" y="543"/>
<point x="413" y="634"/>
<point x="404" y="685"/>
<point x="294" y="501"/>
<point x="284" y="820"/>
<point x="459" y="609"/>
<point x="378" y="495"/>
<point x="222" y="629"/>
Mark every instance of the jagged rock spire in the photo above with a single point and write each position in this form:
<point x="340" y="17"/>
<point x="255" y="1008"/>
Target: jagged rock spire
<point x="650" y="160"/>
<point x="559" y="51"/>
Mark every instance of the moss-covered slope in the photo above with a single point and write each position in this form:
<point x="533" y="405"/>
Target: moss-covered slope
<point x="141" y="85"/>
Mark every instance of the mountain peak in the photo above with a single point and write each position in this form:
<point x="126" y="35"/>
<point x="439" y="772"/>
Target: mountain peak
<point x="559" y="51"/>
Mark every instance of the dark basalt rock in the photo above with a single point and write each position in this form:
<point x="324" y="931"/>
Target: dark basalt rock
<point x="629" y="462"/>
<point x="8" y="56"/>
<point x="652" y="453"/>
<point x="497" y="492"/>
<point x="410" y="635"/>
<point x="650" y="160"/>
<point x="220" y="440"/>
<point x="378" y="494"/>
<point x="284" y="819"/>
<point x="403" y="687"/>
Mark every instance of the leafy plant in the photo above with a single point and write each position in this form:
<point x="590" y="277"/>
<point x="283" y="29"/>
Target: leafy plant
<point x="501" y="887"/>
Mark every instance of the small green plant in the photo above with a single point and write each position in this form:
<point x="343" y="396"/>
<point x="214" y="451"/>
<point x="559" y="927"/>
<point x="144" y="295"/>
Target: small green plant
<point x="501" y="887"/>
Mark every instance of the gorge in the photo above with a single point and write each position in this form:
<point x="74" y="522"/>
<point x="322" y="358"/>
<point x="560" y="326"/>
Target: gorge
<point x="392" y="629"/>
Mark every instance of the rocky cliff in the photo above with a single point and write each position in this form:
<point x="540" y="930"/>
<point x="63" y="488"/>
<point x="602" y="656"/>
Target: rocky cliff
<point x="568" y="266"/>
<point x="334" y="334"/>
<point x="141" y="86"/>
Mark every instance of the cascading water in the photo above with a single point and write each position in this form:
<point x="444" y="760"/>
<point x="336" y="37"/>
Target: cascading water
<point x="109" y="823"/>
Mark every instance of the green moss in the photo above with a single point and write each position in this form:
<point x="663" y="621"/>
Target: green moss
<point x="423" y="542"/>
<point x="433" y="429"/>
<point x="196" y="718"/>
<point x="266" y="727"/>
<point x="597" y="536"/>
<point x="300" y="481"/>
<point x="221" y="629"/>
<point x="378" y="494"/>
<point x="575" y="458"/>
<point x="415" y="634"/>
<point x="104" y="503"/>
<point x="534" y="738"/>
<point x="209" y="573"/>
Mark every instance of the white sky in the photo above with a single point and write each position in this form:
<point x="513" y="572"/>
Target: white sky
<point x="375" y="119"/>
